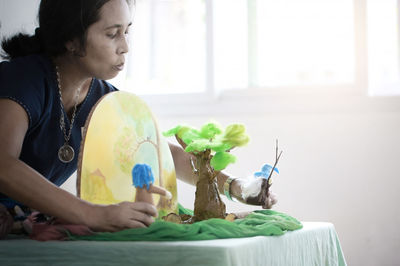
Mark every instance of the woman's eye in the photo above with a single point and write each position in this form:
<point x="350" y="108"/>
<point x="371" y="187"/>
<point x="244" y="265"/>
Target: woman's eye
<point x="112" y="35"/>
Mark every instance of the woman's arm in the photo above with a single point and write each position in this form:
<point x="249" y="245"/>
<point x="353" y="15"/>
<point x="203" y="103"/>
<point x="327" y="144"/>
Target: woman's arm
<point x="24" y="184"/>
<point x="184" y="172"/>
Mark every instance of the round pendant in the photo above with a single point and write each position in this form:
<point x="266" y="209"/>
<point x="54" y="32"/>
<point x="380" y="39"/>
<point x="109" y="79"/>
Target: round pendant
<point x="66" y="153"/>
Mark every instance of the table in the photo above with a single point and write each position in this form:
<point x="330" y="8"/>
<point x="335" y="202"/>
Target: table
<point x="316" y="243"/>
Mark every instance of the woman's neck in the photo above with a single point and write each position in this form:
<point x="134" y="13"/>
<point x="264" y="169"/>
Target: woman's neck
<point x="71" y="78"/>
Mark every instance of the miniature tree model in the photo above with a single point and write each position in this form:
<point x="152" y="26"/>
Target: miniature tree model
<point x="210" y="146"/>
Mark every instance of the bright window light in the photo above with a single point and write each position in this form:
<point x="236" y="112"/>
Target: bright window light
<point x="383" y="47"/>
<point x="230" y="42"/>
<point x="167" y="47"/>
<point x="203" y="46"/>
<point x="307" y="42"/>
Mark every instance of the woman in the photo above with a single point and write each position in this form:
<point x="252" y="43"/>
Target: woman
<point x="51" y="81"/>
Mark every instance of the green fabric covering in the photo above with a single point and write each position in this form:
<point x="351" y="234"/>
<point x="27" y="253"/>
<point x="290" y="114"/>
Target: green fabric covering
<point x="183" y="210"/>
<point x="258" y="223"/>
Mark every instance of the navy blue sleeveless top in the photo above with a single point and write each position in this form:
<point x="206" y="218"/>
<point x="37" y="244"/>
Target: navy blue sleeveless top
<point x="31" y="82"/>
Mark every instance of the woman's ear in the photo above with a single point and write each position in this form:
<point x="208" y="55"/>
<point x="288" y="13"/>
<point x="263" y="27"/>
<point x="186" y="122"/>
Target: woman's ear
<point x="73" y="47"/>
<point x="70" y="46"/>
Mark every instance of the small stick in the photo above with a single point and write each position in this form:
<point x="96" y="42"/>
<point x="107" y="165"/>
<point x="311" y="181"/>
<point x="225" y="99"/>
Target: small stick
<point x="276" y="159"/>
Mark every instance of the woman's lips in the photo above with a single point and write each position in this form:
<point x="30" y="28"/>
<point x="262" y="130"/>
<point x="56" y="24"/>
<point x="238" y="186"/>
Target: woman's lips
<point x="119" y="67"/>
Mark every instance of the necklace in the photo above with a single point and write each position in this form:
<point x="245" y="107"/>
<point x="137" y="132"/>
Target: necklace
<point x="66" y="153"/>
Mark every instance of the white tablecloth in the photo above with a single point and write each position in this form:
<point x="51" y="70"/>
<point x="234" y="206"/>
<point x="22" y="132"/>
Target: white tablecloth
<point x="315" y="244"/>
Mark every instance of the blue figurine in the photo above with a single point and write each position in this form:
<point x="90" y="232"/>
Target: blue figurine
<point x="143" y="179"/>
<point x="265" y="171"/>
<point x="142" y="175"/>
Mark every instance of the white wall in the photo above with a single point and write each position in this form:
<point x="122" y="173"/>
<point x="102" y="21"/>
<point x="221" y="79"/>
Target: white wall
<point x="339" y="167"/>
<point x="18" y="15"/>
<point x="340" y="162"/>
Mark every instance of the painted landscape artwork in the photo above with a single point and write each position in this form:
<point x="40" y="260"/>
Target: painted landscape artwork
<point x="120" y="133"/>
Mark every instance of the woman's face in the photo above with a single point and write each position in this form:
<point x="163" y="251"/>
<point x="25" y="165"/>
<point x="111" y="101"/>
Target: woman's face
<point x="107" y="42"/>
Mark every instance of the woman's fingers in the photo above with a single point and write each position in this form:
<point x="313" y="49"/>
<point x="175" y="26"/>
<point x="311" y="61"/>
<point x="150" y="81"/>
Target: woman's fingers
<point x="143" y="218"/>
<point x="144" y="207"/>
<point x="126" y="215"/>
<point x="136" y="224"/>
<point x="274" y="198"/>
<point x="270" y="201"/>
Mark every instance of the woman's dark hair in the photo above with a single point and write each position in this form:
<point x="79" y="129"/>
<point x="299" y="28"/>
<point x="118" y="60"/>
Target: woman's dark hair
<point x="60" y="21"/>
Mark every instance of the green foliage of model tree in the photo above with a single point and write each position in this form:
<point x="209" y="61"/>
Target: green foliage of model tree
<point x="211" y="146"/>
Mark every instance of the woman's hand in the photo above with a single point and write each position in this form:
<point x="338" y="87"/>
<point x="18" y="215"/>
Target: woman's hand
<point x="124" y="215"/>
<point x="254" y="192"/>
